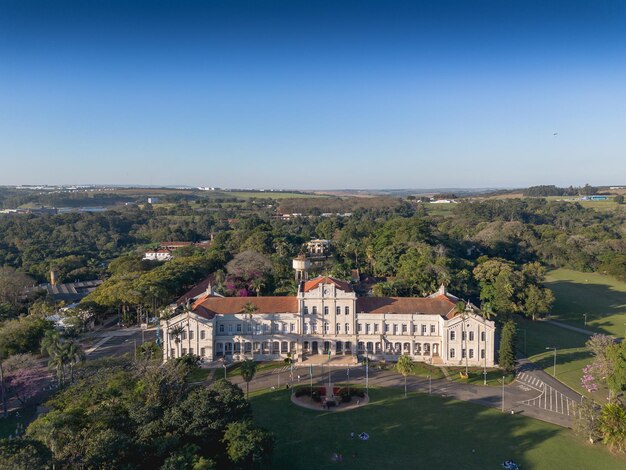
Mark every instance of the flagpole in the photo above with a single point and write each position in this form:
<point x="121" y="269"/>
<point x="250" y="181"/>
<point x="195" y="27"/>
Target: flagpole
<point x="329" y="384"/>
<point x="367" y="376"/>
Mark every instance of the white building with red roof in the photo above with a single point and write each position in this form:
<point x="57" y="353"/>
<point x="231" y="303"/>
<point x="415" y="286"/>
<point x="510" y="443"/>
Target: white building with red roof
<point x="327" y="317"/>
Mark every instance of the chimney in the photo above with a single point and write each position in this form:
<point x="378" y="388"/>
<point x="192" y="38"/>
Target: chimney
<point x="53" y="277"/>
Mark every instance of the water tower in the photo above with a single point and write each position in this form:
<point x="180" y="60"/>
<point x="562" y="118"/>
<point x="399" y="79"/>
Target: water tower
<point x="301" y="266"/>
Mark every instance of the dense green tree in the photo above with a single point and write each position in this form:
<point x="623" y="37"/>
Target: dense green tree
<point x="616" y="357"/>
<point x="23" y="335"/>
<point x="12" y="286"/>
<point x="613" y="426"/>
<point x="506" y="353"/>
<point x="188" y="458"/>
<point x="24" y="454"/>
<point x="248" y="445"/>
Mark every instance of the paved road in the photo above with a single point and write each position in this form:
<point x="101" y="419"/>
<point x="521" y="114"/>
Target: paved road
<point x="116" y="342"/>
<point x="518" y="396"/>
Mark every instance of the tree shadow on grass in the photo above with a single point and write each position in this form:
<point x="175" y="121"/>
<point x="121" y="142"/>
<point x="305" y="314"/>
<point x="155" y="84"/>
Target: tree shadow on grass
<point x="574" y="299"/>
<point x="563" y="357"/>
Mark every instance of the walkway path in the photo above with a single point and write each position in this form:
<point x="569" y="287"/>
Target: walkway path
<point x="570" y="327"/>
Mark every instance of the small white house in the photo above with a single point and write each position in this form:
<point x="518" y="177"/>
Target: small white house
<point x="158" y="255"/>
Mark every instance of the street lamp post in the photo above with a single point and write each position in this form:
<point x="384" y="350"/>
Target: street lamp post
<point x="503" y="393"/>
<point x="224" y="366"/>
<point x="585" y="315"/>
<point x="553" y="347"/>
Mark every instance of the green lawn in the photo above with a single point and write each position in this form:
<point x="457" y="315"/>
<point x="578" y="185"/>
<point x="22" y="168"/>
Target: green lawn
<point x="198" y="375"/>
<point x="420" y="432"/>
<point x="234" y="370"/>
<point x="601" y="297"/>
<point x="601" y="206"/>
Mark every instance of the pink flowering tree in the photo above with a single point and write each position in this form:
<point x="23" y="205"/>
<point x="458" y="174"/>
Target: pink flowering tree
<point x="588" y="381"/>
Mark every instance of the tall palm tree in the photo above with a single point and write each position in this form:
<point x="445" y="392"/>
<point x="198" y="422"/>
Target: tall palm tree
<point x="74" y="354"/>
<point x="177" y="333"/>
<point x="405" y="367"/>
<point x="258" y="284"/>
<point x="57" y="361"/>
<point x="248" y="309"/>
<point x="51" y="339"/>
<point x="248" y="371"/>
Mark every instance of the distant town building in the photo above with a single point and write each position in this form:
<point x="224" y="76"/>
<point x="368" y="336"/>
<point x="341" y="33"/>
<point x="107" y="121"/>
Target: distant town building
<point x="153" y="200"/>
<point x="158" y="255"/>
<point x="594" y="198"/>
<point x="166" y="249"/>
<point x="318" y="246"/>
<point x="443" y="201"/>
<point x="69" y="292"/>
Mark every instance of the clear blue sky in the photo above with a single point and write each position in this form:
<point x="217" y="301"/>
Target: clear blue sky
<point x="313" y="94"/>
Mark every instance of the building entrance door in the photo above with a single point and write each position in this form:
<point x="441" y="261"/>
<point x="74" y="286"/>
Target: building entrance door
<point x="314" y="348"/>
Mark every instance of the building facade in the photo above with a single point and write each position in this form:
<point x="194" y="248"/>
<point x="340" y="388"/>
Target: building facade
<point x="327" y="317"/>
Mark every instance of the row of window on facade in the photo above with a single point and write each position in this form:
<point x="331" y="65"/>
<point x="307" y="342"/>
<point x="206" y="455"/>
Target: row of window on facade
<point x="419" y="349"/>
<point x="312" y="328"/>
<point x="256" y="347"/>
<point x="184" y="352"/>
<point x="346" y="310"/>
<point x="397" y="329"/>
<point x="463" y="353"/>
<point x="191" y="334"/>
<point x="464" y="334"/>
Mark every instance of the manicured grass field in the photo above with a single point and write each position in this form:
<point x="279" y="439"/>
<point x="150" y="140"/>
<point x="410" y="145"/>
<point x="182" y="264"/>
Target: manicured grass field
<point x="420" y="431"/>
<point x="602" y="298"/>
<point x="600" y="206"/>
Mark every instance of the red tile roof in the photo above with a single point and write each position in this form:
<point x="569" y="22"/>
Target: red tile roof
<point x="439" y="305"/>
<point x="212" y="306"/>
<point x="313" y="283"/>
<point x="197" y="289"/>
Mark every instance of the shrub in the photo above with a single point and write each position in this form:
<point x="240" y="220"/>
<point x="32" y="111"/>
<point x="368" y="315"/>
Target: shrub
<point x="302" y="392"/>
